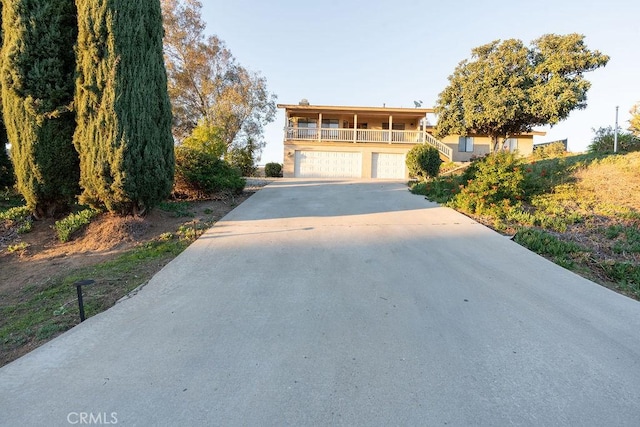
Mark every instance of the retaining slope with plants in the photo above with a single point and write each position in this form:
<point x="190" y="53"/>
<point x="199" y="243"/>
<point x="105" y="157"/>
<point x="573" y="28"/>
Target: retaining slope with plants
<point x="580" y="211"/>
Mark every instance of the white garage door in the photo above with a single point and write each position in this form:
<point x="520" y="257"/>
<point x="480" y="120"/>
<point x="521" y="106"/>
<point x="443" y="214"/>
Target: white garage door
<point x="388" y="165"/>
<point x="328" y="164"/>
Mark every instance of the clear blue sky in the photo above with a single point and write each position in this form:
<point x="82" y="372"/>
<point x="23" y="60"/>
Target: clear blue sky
<point x="370" y="53"/>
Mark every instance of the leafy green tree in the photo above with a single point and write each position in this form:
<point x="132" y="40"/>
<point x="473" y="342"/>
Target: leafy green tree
<point x="207" y="138"/>
<point x="37" y="79"/>
<point x="634" y="123"/>
<point x="123" y="133"/>
<point x="244" y="158"/>
<point x="206" y="82"/>
<point x="507" y="88"/>
<point x="199" y="174"/>
<point x="603" y="141"/>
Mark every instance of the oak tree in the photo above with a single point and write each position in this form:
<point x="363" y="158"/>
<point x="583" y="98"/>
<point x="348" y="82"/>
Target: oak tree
<point x="634" y="122"/>
<point x="206" y="84"/>
<point x="507" y="88"/>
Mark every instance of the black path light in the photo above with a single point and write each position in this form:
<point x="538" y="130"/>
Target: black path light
<point x="79" y="284"/>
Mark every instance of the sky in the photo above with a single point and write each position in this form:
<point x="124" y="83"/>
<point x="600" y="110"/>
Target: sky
<point x="375" y="53"/>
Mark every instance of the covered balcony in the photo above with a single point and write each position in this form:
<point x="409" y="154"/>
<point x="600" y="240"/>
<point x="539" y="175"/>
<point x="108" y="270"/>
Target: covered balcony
<point x="365" y="136"/>
<point x="360" y="125"/>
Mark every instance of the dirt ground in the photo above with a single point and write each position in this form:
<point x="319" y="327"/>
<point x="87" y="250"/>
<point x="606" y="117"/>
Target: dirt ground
<point x="104" y="239"/>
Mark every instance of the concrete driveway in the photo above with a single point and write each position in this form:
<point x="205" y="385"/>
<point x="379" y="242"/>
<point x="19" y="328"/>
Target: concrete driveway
<point x="343" y="303"/>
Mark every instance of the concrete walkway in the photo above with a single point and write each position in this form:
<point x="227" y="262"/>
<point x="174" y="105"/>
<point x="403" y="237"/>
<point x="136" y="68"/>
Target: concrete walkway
<point x="343" y="303"/>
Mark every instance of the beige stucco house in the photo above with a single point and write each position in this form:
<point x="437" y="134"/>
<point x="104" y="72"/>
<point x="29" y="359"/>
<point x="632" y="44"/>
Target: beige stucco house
<point x="323" y="141"/>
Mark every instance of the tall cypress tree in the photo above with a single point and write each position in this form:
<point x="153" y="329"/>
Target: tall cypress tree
<point x="37" y="77"/>
<point x="6" y="168"/>
<point x="123" y="129"/>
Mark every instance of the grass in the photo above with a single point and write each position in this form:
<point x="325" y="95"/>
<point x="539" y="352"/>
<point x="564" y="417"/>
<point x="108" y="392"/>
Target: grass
<point x="48" y="309"/>
<point x="178" y="209"/>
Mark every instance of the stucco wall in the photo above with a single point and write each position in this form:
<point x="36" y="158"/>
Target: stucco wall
<point x="482" y="145"/>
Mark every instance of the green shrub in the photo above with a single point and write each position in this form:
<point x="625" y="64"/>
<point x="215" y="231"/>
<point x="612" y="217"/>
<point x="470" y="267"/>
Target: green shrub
<point x="244" y="157"/>
<point x="19" y="247"/>
<point x="423" y="161"/>
<point x="200" y="174"/>
<point x="74" y="222"/>
<point x="551" y="151"/>
<point x="273" y="170"/>
<point x="494" y="186"/>
<point x="17" y="213"/>
<point x="440" y="190"/>
<point x="603" y="141"/>
<point x="25" y="226"/>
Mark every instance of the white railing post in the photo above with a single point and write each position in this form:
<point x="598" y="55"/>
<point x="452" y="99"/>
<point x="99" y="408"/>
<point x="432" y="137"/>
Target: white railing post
<point x="424" y="128"/>
<point x="355" y="128"/>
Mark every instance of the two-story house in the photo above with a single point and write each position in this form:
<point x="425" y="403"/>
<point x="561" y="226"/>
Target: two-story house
<point x="370" y="142"/>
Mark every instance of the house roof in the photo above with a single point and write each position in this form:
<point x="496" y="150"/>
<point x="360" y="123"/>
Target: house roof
<point x="337" y="109"/>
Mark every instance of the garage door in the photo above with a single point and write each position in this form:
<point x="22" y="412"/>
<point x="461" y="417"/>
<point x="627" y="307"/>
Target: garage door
<point x="388" y="165"/>
<point x="328" y="164"/>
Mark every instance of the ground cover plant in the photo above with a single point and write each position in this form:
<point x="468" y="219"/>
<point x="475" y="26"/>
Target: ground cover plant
<point x="581" y="211"/>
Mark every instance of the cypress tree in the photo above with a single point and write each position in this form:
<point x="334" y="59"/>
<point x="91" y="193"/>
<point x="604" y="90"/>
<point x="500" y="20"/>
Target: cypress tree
<point x="37" y="78"/>
<point x="123" y="129"/>
<point x="6" y="168"/>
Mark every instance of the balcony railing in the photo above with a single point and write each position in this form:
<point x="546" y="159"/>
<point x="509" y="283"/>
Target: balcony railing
<point x="366" y="135"/>
<point x="355" y="135"/>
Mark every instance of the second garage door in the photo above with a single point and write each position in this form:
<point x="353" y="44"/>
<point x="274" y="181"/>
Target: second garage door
<point x="328" y="164"/>
<point x="388" y="165"/>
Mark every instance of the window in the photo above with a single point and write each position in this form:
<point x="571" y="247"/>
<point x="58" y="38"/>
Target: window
<point x="307" y="123"/>
<point x="307" y="128"/>
<point x="330" y="123"/>
<point x="330" y="128"/>
<point x="511" y="144"/>
<point x="465" y="144"/>
<point x="396" y="126"/>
